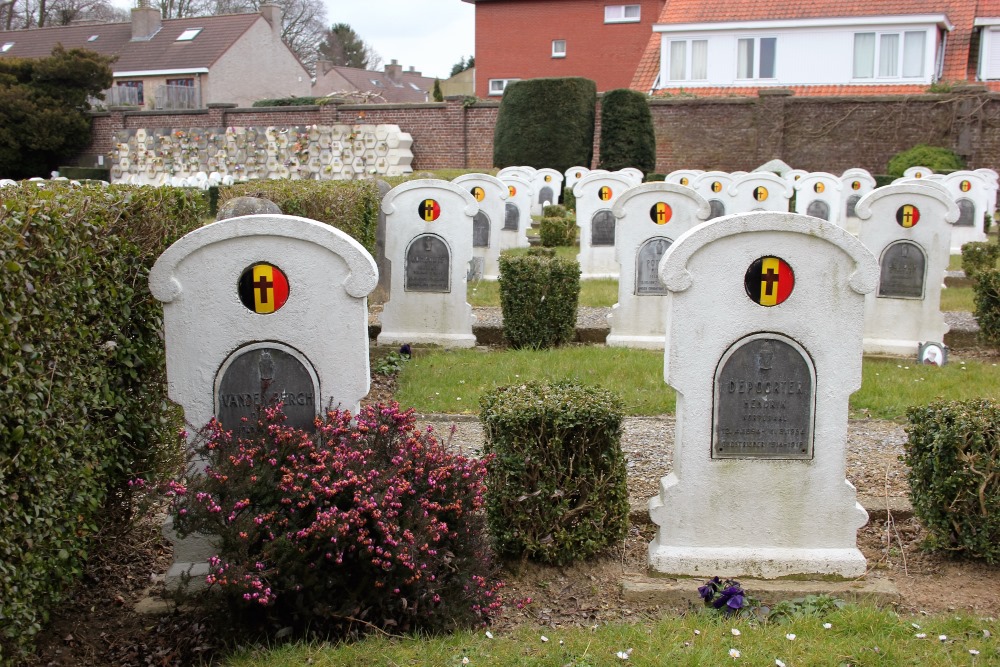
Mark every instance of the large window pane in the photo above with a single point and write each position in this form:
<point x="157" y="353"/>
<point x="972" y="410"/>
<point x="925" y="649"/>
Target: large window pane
<point x="678" y="62"/>
<point x="768" y="46"/>
<point x="913" y="53"/>
<point x="699" y="59"/>
<point x="744" y="59"/>
<point x="864" y="55"/>
<point x="888" y="55"/>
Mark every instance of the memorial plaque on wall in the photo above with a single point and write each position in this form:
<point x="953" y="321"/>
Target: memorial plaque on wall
<point x="647" y="264"/>
<point x="261" y="378"/>
<point x="602" y="228"/>
<point x="717" y="209"/>
<point x="545" y="195"/>
<point x="818" y="209"/>
<point x="481" y="230"/>
<point x="852" y="204"/>
<point x="511" y="216"/>
<point x="966" y="213"/>
<point x="902" y="271"/>
<point x="764" y="401"/>
<point x="428" y="265"/>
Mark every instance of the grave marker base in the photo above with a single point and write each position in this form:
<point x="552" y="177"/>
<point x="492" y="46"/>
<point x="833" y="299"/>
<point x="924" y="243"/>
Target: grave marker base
<point x="763" y="563"/>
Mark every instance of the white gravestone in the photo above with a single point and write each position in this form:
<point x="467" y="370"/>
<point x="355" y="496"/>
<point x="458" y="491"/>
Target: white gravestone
<point x="917" y="172"/>
<point x="818" y="194"/>
<point x="573" y="176"/>
<point x="908" y="228"/>
<point x="993" y="183"/>
<point x="714" y="187"/>
<point x="631" y="173"/>
<point x="491" y="193"/>
<point x="650" y="218"/>
<point x="792" y="176"/>
<point x="855" y="183"/>
<point x="524" y="172"/>
<point x="683" y="176"/>
<point x="760" y="191"/>
<point x="517" y="212"/>
<point x="758" y="486"/>
<point x="971" y="192"/>
<point x="547" y="185"/>
<point x="258" y="309"/>
<point x="428" y="241"/>
<point x="595" y="194"/>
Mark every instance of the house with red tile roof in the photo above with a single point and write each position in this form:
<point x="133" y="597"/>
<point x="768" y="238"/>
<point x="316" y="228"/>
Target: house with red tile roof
<point x="392" y="86"/>
<point x="181" y="63"/>
<point x="823" y="47"/>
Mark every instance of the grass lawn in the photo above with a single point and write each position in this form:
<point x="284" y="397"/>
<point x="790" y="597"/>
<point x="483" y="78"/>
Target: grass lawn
<point x="600" y="293"/>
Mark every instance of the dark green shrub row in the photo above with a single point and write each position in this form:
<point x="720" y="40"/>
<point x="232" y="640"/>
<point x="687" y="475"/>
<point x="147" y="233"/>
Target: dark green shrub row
<point x="86" y="173"/>
<point x="952" y="452"/>
<point x="986" y="301"/>
<point x="81" y="379"/>
<point x="290" y="102"/>
<point x="939" y="160"/>
<point x="569" y="199"/>
<point x="978" y="256"/>
<point x="627" y="135"/>
<point x="350" y="206"/>
<point x="556" y="489"/>
<point x="557" y="232"/>
<point x="538" y="298"/>
<point x="554" y="211"/>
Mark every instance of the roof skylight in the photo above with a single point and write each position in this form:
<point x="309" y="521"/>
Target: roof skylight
<point x="188" y="34"/>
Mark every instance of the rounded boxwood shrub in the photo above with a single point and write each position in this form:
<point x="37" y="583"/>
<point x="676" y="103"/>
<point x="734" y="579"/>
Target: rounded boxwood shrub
<point x="554" y="211"/>
<point x="557" y="231"/>
<point x="954" y="485"/>
<point x="556" y="485"/>
<point x="986" y="300"/>
<point x="627" y="135"/>
<point x="939" y="160"/>
<point x="979" y="256"/>
<point x="538" y="298"/>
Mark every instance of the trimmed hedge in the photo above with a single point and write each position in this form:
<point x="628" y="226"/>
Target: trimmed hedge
<point x="86" y="173"/>
<point x="290" y="102"/>
<point x="569" y="199"/>
<point x="986" y="290"/>
<point x="939" y="160"/>
<point x="81" y="379"/>
<point x="554" y="211"/>
<point x="546" y="123"/>
<point x="350" y="206"/>
<point x="954" y="488"/>
<point x="538" y="297"/>
<point x="979" y="256"/>
<point x="556" y="489"/>
<point x="557" y="231"/>
<point x="627" y="135"/>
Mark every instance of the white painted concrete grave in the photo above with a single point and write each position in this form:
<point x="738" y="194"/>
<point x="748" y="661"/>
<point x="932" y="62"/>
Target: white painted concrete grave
<point x="517" y="211"/>
<point x="993" y="182"/>
<point x="547" y="185"/>
<point x="758" y="486"/>
<point x="908" y="228"/>
<point x="491" y="193"/>
<point x="817" y="193"/>
<point x="714" y="187"/>
<point x="650" y="218"/>
<point x="429" y="243"/>
<point x="573" y="176"/>
<point x="760" y="191"/>
<point x="855" y="183"/>
<point x="917" y="172"/>
<point x="595" y="194"/>
<point x="971" y="192"/>
<point x="683" y="176"/>
<point x="633" y="174"/>
<point x="258" y="309"/>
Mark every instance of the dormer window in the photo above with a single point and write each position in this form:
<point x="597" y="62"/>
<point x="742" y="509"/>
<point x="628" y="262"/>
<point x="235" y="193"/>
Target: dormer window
<point x="415" y="87"/>
<point x="188" y="34"/>
<point x="93" y="38"/>
<point x="376" y="83"/>
<point x="6" y="47"/>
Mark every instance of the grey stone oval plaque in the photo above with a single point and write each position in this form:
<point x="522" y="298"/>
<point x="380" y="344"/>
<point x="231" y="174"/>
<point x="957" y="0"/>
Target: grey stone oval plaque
<point x="764" y="400"/>
<point x="602" y="228"/>
<point x="481" y="230"/>
<point x="717" y="209"/>
<point x="647" y="264"/>
<point x="902" y="269"/>
<point x="545" y="195"/>
<point x="260" y="378"/>
<point x="511" y="216"/>
<point x="966" y="213"/>
<point x="852" y="204"/>
<point x="818" y="209"/>
<point x="428" y="265"/>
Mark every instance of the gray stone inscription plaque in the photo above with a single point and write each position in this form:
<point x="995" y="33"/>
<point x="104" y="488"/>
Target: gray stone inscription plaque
<point x="481" y="230"/>
<point x="602" y="228"/>
<point x="764" y="401"/>
<point x="852" y="204"/>
<point x="511" y="216"/>
<point x="647" y="263"/>
<point x="261" y="378"/>
<point x="966" y="213"/>
<point x="818" y="209"/>
<point x="477" y="265"/>
<point x="902" y="271"/>
<point x="545" y="195"/>
<point x="717" y="209"/>
<point x="428" y="265"/>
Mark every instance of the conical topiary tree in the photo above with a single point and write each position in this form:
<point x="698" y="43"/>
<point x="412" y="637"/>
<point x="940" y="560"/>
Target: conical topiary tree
<point x="627" y="135"/>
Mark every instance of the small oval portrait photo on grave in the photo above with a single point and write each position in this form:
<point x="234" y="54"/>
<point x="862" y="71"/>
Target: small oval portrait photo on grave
<point x="660" y="213"/>
<point x="769" y="281"/>
<point x="263" y="288"/>
<point x="932" y="354"/>
<point x="478" y="193"/>
<point x="429" y="210"/>
<point x="907" y="215"/>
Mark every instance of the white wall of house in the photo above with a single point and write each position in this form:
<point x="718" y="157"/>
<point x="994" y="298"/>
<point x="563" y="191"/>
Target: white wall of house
<point x="890" y="50"/>
<point x="989" y="49"/>
<point x="258" y="66"/>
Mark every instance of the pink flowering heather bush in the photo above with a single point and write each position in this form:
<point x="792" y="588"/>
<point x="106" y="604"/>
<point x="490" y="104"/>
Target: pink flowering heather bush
<point x="368" y="521"/>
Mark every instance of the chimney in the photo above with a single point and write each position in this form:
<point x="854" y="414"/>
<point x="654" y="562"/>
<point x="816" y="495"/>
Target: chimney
<point x="414" y="72"/>
<point x="146" y="22"/>
<point x="273" y="15"/>
<point x="393" y="70"/>
<point x="323" y="66"/>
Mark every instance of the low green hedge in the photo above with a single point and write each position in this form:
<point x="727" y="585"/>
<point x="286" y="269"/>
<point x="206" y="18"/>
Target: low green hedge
<point x="350" y="206"/>
<point x="81" y="379"/>
<point x="539" y="294"/>
<point x="978" y="256"/>
<point x="557" y="231"/>
<point x="986" y="297"/>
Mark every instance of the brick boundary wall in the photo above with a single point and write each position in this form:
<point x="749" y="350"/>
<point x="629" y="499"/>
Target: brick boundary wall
<point x="729" y="134"/>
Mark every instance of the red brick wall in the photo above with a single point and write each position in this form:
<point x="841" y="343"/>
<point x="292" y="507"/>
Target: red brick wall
<point x="514" y="41"/>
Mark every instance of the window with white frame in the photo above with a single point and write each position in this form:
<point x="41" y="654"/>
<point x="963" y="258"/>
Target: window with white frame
<point x="889" y="55"/>
<point x="558" y="48"/>
<point x="497" y="86"/>
<point x="188" y="35"/>
<point x="687" y="60"/>
<point x="622" y="13"/>
<point x="755" y="57"/>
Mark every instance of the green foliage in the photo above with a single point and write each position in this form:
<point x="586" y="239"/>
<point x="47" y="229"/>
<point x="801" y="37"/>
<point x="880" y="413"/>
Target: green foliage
<point x="557" y="231"/>
<point x="462" y="65"/>
<point x="288" y="102"/>
<point x="556" y="489"/>
<point x="811" y="605"/>
<point x="43" y="105"/>
<point x="554" y="211"/>
<point x="81" y="379"/>
<point x="650" y="178"/>
<point x="341" y="45"/>
<point x="538" y="298"/>
<point x="86" y="173"/>
<point x="546" y="123"/>
<point x="569" y="199"/>
<point x="627" y="135"/>
<point x="350" y="206"/>
<point x="952" y="454"/>
<point x="390" y="364"/>
<point x="987" y="303"/>
<point x="978" y="256"/>
<point x="436" y="93"/>
<point x="939" y="160"/>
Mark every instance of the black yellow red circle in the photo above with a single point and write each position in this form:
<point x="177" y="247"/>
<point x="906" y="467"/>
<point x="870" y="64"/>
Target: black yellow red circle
<point x="760" y="193"/>
<point x="769" y="281"/>
<point x="512" y="190"/>
<point x="907" y="215"/>
<point x="604" y="193"/>
<point x="660" y="213"/>
<point x="818" y="188"/>
<point x="965" y="186"/>
<point x="478" y="193"/>
<point x="429" y="210"/>
<point x="263" y="288"/>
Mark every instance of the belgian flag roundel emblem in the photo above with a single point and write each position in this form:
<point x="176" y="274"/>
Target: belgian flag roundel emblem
<point x="478" y="193"/>
<point x="716" y="186"/>
<point x="684" y="180"/>
<point x="819" y="187"/>
<point x="907" y="215"/>
<point x="548" y="178"/>
<point x="512" y="190"/>
<point x="660" y="213"/>
<point x="429" y="210"/>
<point x="855" y="185"/>
<point x="263" y="288"/>
<point x="965" y="186"/>
<point x="769" y="281"/>
<point x="760" y="193"/>
<point x="604" y="194"/>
